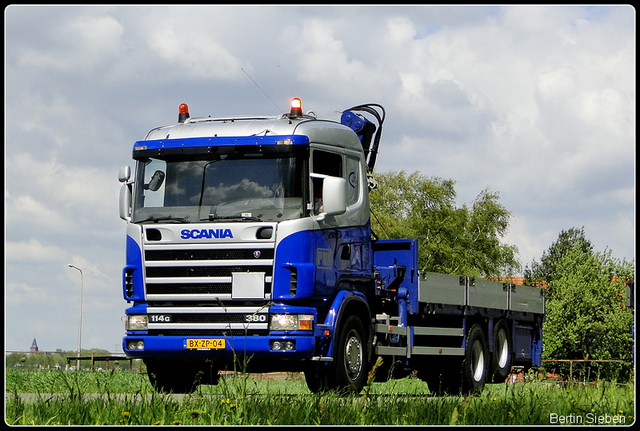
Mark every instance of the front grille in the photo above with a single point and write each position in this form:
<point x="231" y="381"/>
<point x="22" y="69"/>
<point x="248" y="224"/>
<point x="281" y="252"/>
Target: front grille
<point x="209" y="318"/>
<point x="178" y="273"/>
<point x="211" y="332"/>
<point x="229" y="254"/>
<point x="204" y="304"/>
<point x="192" y="291"/>
<point x="212" y="288"/>
<point x="204" y="271"/>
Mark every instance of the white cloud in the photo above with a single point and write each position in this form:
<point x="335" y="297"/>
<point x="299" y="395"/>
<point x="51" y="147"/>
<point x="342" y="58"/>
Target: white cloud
<point x="99" y="35"/>
<point x="22" y="293"/>
<point x="322" y="57"/>
<point x="89" y="269"/>
<point x="529" y="246"/>
<point x="193" y="54"/>
<point x="401" y="29"/>
<point x="33" y="251"/>
<point x="58" y="196"/>
<point x="557" y="85"/>
<point x="25" y="210"/>
<point x="608" y="111"/>
<point x="84" y="42"/>
<point x="47" y="117"/>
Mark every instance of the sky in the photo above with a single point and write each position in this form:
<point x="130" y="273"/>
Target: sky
<point x="536" y="103"/>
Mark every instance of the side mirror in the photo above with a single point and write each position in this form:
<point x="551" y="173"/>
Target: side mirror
<point x="124" y="174"/>
<point x="334" y="196"/>
<point x="125" y="202"/>
<point x="156" y="181"/>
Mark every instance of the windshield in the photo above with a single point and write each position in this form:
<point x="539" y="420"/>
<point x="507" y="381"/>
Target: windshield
<point x="247" y="186"/>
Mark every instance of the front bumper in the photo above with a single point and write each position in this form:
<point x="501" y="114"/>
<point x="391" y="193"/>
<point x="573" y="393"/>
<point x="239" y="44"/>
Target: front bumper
<point x="253" y="346"/>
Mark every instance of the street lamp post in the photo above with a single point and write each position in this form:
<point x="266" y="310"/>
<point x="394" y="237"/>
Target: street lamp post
<point x="80" y="323"/>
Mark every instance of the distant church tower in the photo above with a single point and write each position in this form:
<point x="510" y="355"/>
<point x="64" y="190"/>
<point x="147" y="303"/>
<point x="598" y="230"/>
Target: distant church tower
<point x="34" y="347"/>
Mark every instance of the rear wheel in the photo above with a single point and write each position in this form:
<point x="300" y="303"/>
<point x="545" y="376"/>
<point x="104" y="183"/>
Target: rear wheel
<point x="501" y="359"/>
<point x="476" y="362"/>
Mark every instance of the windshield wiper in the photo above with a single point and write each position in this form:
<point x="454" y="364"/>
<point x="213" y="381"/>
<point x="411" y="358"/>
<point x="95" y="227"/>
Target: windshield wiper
<point x="166" y="218"/>
<point x="238" y="217"/>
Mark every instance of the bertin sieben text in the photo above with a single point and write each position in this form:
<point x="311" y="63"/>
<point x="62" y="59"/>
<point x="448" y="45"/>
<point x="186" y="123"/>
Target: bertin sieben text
<point x="588" y="419"/>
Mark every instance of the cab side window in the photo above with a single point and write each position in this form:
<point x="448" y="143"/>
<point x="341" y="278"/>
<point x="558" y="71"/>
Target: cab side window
<point x="353" y="180"/>
<point x="325" y="163"/>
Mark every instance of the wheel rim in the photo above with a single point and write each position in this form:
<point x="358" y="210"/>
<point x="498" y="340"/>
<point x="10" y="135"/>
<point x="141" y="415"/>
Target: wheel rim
<point x="503" y="346"/>
<point x="353" y="356"/>
<point x="477" y="361"/>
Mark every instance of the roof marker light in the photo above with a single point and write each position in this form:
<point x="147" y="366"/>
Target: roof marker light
<point x="183" y="113"/>
<point x="296" y="108"/>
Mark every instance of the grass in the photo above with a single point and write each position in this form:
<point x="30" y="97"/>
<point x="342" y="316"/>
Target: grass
<point x="127" y="398"/>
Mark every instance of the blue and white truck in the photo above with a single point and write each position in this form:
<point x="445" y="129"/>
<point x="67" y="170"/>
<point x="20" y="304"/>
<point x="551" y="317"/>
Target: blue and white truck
<point x="249" y="247"/>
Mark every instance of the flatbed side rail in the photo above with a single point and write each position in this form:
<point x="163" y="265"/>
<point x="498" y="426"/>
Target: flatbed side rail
<point x="446" y="289"/>
<point x="387" y="330"/>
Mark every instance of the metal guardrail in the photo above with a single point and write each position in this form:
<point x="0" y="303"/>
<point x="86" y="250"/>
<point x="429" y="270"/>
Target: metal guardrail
<point x="571" y="361"/>
<point x="93" y="358"/>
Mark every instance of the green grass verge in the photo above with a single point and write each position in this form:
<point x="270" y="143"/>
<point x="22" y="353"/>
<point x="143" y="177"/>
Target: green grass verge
<point x="127" y="398"/>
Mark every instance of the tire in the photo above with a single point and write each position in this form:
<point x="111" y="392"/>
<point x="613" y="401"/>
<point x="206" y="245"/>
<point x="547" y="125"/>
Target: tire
<point x="320" y="378"/>
<point x="348" y="372"/>
<point x="443" y="375"/>
<point x="351" y="359"/>
<point x="178" y="377"/>
<point x="502" y="357"/>
<point x="475" y="366"/>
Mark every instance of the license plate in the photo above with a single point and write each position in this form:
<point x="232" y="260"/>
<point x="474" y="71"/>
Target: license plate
<point x="205" y="343"/>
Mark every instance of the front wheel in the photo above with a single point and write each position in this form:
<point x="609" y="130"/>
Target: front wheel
<point x="351" y="357"/>
<point x="348" y="371"/>
<point x="319" y="377"/>
<point x="179" y="377"/>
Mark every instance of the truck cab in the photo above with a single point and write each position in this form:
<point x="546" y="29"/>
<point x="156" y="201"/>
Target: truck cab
<point x="248" y="240"/>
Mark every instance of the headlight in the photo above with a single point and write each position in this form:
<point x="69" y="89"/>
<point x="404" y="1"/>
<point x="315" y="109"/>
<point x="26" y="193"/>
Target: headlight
<point x="291" y="322"/>
<point x="137" y="322"/>
<point x="135" y="345"/>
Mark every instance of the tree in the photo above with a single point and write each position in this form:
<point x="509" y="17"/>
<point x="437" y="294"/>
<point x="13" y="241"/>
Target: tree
<point x="32" y="361"/>
<point x="543" y="272"/>
<point x="585" y="313"/>
<point x="58" y="359"/>
<point x="464" y="241"/>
